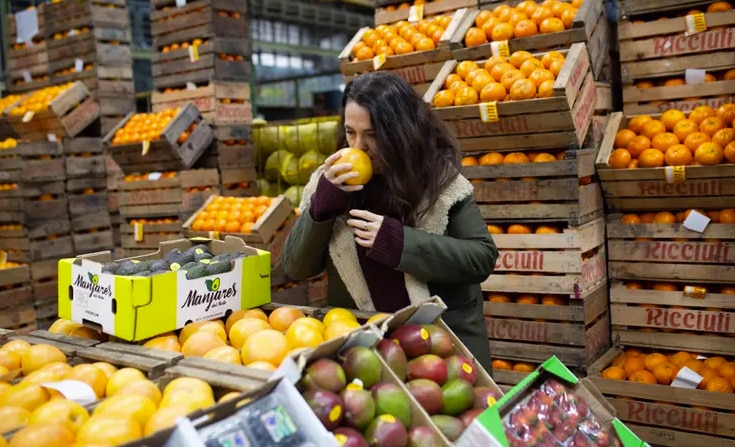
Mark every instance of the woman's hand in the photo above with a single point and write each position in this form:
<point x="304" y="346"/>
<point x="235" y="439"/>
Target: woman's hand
<point x="366" y="226"/>
<point x="337" y="174"/>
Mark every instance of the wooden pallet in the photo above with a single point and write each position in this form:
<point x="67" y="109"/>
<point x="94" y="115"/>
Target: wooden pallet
<point x="165" y="153"/>
<point x="198" y="20"/>
<point x="668" y="416"/>
<point x="417" y="68"/>
<point x="220" y="103"/>
<point x="539" y="191"/>
<point x="670" y="252"/>
<point x="561" y="121"/>
<point x="708" y="187"/>
<point x="661" y="48"/>
<point x="590" y="26"/>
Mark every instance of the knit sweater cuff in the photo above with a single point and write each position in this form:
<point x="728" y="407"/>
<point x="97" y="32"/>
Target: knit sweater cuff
<point x="388" y="245"/>
<point x="328" y="201"/>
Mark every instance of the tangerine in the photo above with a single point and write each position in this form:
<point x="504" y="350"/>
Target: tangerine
<point x="651" y="158"/>
<point x="636" y="123"/>
<point x="684" y="128"/>
<point x="709" y="154"/>
<point x="671" y="117"/>
<point x="678" y="155"/>
<point x="619" y="159"/>
<point x="637" y="145"/>
<point x="696" y="139"/>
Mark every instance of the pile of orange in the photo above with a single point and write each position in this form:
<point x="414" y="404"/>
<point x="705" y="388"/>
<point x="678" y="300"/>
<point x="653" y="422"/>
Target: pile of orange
<point x="527" y="298"/>
<point x="522" y="229"/>
<point x="658" y="368"/>
<point x="706" y="137"/>
<point x="528" y="18"/>
<point x="8" y="101"/>
<point x="10" y="264"/>
<point x="718" y="6"/>
<point x="72" y="69"/>
<point x="144" y="127"/>
<point x="8" y="186"/>
<point x="232" y="214"/>
<point x="241" y="185"/>
<point x="230" y="14"/>
<point x="728" y="75"/>
<point x="39" y="100"/>
<point x="497" y="158"/>
<point x="143" y="177"/>
<point x="405" y="5"/>
<point x="723" y="216"/>
<point x="674" y="287"/>
<point x="8" y="227"/>
<point x="184" y="45"/>
<point x="521" y="76"/>
<point x="401" y="38"/>
<point x="162" y="221"/>
<point x="508" y="365"/>
<point x="71" y="32"/>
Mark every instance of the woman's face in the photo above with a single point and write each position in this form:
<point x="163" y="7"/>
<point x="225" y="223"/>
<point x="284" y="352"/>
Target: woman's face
<point x="360" y="133"/>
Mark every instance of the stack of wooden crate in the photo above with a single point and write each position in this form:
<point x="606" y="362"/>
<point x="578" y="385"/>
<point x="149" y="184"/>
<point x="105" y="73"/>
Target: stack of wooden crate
<point x="16" y="297"/>
<point x="114" y="178"/>
<point x="676" y="55"/>
<point x="89" y="41"/>
<point x="28" y="67"/>
<point x="203" y="57"/>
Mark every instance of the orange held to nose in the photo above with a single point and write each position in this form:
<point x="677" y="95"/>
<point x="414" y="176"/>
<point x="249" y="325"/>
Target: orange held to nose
<point x="360" y="162"/>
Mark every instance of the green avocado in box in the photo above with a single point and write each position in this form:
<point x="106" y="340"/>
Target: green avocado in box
<point x="550" y="407"/>
<point x="186" y="280"/>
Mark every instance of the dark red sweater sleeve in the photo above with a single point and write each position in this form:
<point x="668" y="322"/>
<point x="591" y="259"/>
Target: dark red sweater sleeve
<point x="328" y="201"/>
<point x="388" y="246"/>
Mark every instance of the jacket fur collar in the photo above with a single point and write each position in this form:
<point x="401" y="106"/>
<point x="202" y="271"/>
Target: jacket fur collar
<point x="343" y="252"/>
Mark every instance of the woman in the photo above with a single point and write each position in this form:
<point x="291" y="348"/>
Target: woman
<point x="412" y="232"/>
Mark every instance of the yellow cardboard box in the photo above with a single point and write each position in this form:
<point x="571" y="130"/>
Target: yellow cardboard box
<point x="137" y="308"/>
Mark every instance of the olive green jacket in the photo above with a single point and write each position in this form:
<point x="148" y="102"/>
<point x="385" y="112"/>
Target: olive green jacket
<point x="449" y="254"/>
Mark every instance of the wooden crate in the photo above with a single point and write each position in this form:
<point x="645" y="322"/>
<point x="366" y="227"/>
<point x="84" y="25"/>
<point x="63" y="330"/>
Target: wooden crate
<point x="590" y="26"/>
<point x="603" y="107"/>
<point x="681" y="97"/>
<point x="86" y="196"/>
<point x="709" y="187"/>
<point x="11" y="165"/>
<point x="537" y="192"/>
<point x="203" y="63"/>
<point x="560" y="121"/>
<point x="27" y="64"/>
<point x="68" y="114"/>
<point x="43" y="161"/>
<point x="627" y="8"/>
<point x="417" y="68"/>
<point x="165" y="153"/>
<point x="264" y="230"/>
<point x="577" y="333"/>
<point x="39" y="207"/>
<point x="659" y="252"/>
<point x="668" y="416"/>
<point x="429" y="9"/>
<point x="662" y="48"/>
<point x="201" y="19"/>
<point x="85" y="157"/>
<point x="6" y="103"/>
<point x="146" y="237"/>
<point x="16" y="298"/>
<point x="39" y="240"/>
<point x="220" y="103"/>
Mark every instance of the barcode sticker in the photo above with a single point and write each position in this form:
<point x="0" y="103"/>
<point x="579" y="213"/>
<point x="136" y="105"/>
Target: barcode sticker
<point x="28" y="116"/>
<point x="193" y="53"/>
<point x="500" y="48"/>
<point x="378" y="61"/>
<point x="696" y="23"/>
<point x="138" y="232"/>
<point x="416" y="13"/>
<point x="675" y="174"/>
<point x="146" y="147"/>
<point x="489" y="112"/>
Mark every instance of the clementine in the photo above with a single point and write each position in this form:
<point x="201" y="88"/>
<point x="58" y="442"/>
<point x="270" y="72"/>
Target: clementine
<point x="502" y="364"/>
<point x="493" y="61"/>
<point x="684" y="128"/>
<point x="671" y="117"/>
<point x="700" y="113"/>
<point x="664" y="141"/>
<point x="678" y="155"/>
<point x="492" y="91"/>
<point x="694" y="140"/>
<point x="636" y="123"/>
<point x="525" y="27"/>
<point x="711" y="125"/>
<point x="729" y="152"/>
<point x="465" y="96"/>
<point x="614" y="373"/>
<point x="619" y="158"/>
<point x="727" y="111"/>
<point x="651" y="128"/>
<point x="519" y="57"/>
<point x="522" y="89"/>
<point x="475" y="36"/>
<point x="651" y="158"/>
<point x="637" y="145"/>
<point x="642" y="376"/>
<point x="664" y="372"/>
<point x="530" y="65"/>
<point x="623" y="137"/>
<point x="709" y="154"/>
<point x="502" y="31"/>
<point x="724" y="136"/>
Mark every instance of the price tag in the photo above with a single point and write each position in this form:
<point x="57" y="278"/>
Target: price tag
<point x="489" y="112"/>
<point x="74" y="390"/>
<point x="138" y="232"/>
<point x="28" y="116"/>
<point x="416" y="13"/>
<point x="214" y="234"/>
<point x="696" y="23"/>
<point x="378" y="61"/>
<point x="191" y="86"/>
<point x="52" y="137"/>
<point x="78" y="65"/>
<point x="146" y="147"/>
<point x="694" y="76"/>
<point x="696" y="221"/>
<point x="500" y="48"/>
<point x="3" y="257"/>
<point x="155" y="175"/>
<point x="27" y="76"/>
<point x="675" y="174"/>
<point x="193" y="53"/>
<point x="180" y="3"/>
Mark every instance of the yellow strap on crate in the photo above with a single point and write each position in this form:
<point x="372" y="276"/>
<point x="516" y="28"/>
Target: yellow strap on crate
<point x="138" y="232"/>
<point x="675" y="174"/>
<point x="194" y="53"/>
<point x="378" y="61"/>
<point x="500" y="48"/>
<point x="146" y="147"/>
<point x="695" y="292"/>
<point x="3" y="257"/>
<point x="696" y="23"/>
<point x="489" y="112"/>
<point x="214" y="234"/>
<point x="416" y="13"/>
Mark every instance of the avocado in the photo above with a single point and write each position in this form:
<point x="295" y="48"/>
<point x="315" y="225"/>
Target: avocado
<point x="218" y="267"/>
<point x="199" y="248"/>
<point x="226" y="257"/>
<point x="198" y="271"/>
<point x="186" y="267"/>
<point x="184" y="258"/>
<point x="143" y="273"/>
<point x="129" y="267"/>
<point x="110" y="267"/>
<point x="198" y="256"/>
<point x="160" y="266"/>
<point x="172" y="255"/>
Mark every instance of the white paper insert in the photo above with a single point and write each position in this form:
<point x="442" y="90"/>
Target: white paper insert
<point x="73" y="390"/>
<point x="27" y="24"/>
<point x="696" y="221"/>
<point x="686" y="378"/>
<point x="694" y="76"/>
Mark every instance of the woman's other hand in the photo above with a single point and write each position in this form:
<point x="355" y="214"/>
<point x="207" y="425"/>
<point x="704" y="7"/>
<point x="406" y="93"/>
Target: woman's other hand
<point x="366" y="226"/>
<point x="338" y="174"/>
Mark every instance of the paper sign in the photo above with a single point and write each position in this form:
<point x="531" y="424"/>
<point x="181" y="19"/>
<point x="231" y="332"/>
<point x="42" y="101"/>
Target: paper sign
<point x="694" y="76"/>
<point x="27" y="24"/>
<point x="378" y="61"/>
<point x="28" y="116"/>
<point x="696" y="221"/>
<point x="675" y="174"/>
<point x="27" y="76"/>
<point x="180" y="3"/>
<point x="154" y="175"/>
<point x="416" y="13"/>
<point x="500" y="48"/>
<point x="489" y="112"/>
<point x="193" y="53"/>
<point x="78" y="65"/>
<point x="696" y="23"/>
<point x="146" y="147"/>
<point x="3" y="257"/>
<point x="74" y="390"/>
<point x="52" y="137"/>
<point x="686" y="378"/>
<point x="191" y="86"/>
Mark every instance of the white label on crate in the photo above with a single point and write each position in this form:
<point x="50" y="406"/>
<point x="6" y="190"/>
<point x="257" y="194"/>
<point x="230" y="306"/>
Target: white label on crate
<point x="155" y="175"/>
<point x="696" y="23"/>
<point x="701" y="357"/>
<point x="73" y="390"/>
<point x="78" y="65"/>
<point x="489" y="112"/>
<point x="138" y="232"/>
<point x="27" y="76"/>
<point x="416" y="13"/>
<point x="378" y="61"/>
<point x="675" y="174"/>
<point x="191" y="86"/>
<point x="694" y="76"/>
<point x="686" y="378"/>
<point x="26" y="23"/>
<point x="500" y="48"/>
<point x="180" y="3"/>
<point x="696" y="221"/>
<point x="193" y="53"/>
<point x="93" y="294"/>
<point x="28" y="116"/>
<point x="209" y="297"/>
<point x="52" y="137"/>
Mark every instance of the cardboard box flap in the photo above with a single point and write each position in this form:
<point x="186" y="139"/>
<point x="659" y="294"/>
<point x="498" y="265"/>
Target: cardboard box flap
<point x="426" y="313"/>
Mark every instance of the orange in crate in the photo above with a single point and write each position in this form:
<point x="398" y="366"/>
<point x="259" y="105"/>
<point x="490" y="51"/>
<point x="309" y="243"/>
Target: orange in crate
<point x="232" y="214"/>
